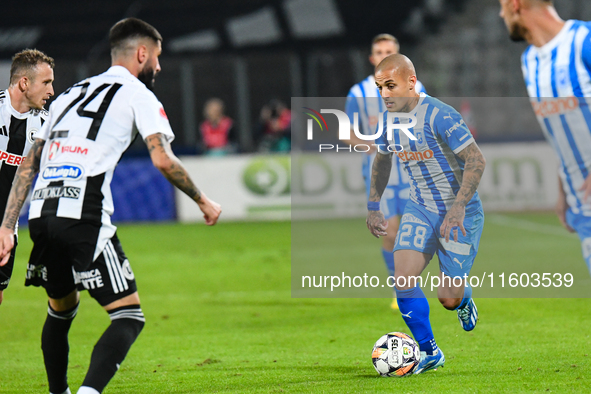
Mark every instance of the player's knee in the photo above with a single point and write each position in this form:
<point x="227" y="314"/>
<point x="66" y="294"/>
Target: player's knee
<point x="402" y="283"/>
<point x="131" y="316"/>
<point x="1" y="296"/>
<point x="450" y="303"/>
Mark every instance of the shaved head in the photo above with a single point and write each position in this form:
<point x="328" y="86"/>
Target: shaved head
<point x="398" y="64"/>
<point x="396" y="79"/>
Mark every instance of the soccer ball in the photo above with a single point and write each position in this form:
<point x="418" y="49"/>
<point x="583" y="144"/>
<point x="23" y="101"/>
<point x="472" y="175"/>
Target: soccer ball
<point x="395" y="354"/>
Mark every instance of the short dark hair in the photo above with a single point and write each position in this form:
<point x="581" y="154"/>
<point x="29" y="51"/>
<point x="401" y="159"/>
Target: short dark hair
<point x="386" y="37"/>
<point x="25" y="61"/>
<point x="128" y="29"/>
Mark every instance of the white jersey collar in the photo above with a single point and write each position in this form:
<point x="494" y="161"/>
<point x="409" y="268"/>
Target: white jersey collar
<point x="550" y="45"/>
<point x="416" y="108"/>
<point x="11" y="109"/>
<point x="121" y="71"/>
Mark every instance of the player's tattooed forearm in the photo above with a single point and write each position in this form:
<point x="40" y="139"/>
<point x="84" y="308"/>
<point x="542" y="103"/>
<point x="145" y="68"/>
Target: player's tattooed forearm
<point x="175" y="173"/>
<point x="474" y="164"/>
<point x="22" y="184"/>
<point x="37" y="150"/>
<point x="380" y="173"/>
<point x="179" y="177"/>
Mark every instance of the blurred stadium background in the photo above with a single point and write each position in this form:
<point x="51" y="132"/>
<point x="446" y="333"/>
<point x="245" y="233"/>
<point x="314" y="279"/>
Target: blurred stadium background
<point x="254" y="53"/>
<point x="221" y="309"/>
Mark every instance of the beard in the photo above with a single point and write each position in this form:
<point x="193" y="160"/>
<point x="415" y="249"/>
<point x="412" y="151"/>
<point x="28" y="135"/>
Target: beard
<point x="147" y="76"/>
<point x="517" y="33"/>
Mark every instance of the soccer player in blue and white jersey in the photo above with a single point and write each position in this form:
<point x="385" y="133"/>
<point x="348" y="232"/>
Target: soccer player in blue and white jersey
<point x="557" y="71"/>
<point x="364" y="99"/>
<point x="444" y="214"/>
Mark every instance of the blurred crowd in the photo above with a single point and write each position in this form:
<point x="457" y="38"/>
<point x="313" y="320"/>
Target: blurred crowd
<point x="219" y="135"/>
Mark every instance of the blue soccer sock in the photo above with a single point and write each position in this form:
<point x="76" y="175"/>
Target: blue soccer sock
<point x="467" y="296"/>
<point x="414" y="309"/>
<point x="389" y="260"/>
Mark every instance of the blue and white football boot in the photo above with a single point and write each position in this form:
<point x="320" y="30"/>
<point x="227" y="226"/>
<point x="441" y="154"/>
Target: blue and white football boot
<point x="430" y="362"/>
<point x="468" y="316"/>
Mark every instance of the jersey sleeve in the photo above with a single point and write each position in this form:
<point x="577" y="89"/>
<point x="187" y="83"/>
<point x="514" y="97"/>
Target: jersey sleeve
<point x="351" y="106"/>
<point x="150" y="117"/>
<point x="452" y="129"/>
<point x="382" y="141"/>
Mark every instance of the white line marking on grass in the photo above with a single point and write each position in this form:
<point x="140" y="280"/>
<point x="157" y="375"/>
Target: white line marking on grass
<point x="522" y="224"/>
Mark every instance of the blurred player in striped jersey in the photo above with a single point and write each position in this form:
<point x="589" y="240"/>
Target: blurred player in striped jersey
<point x="443" y="215"/>
<point x="557" y="71"/>
<point x="364" y="99"/>
<point x="21" y="116"/>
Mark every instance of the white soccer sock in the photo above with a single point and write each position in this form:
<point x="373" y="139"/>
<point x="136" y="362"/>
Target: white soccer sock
<point x="87" y="390"/>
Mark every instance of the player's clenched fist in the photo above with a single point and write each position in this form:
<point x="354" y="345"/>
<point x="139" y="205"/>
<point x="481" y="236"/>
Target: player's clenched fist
<point x="454" y="219"/>
<point x="6" y="244"/>
<point x="376" y="223"/>
<point x="211" y="210"/>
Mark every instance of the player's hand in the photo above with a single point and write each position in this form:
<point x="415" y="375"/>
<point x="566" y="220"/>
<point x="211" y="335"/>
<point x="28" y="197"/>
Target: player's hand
<point x="211" y="210"/>
<point x="561" y="208"/>
<point x="6" y="244"/>
<point x="586" y="187"/>
<point x="376" y="223"/>
<point x="452" y="221"/>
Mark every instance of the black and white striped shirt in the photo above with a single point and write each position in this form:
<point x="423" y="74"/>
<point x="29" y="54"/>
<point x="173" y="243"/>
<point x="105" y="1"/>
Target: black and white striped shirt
<point x="17" y="131"/>
<point x="90" y="126"/>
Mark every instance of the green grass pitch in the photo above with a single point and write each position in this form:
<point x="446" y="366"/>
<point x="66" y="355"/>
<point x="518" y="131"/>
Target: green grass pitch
<point x="220" y="319"/>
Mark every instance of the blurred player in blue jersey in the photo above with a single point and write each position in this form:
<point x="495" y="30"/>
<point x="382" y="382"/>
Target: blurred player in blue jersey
<point x="364" y="98"/>
<point x="557" y="71"/>
<point x="444" y="214"/>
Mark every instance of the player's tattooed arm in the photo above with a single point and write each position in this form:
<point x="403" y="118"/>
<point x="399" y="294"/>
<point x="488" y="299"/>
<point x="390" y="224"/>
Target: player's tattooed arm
<point x="22" y="184"/>
<point x="474" y="164"/>
<point x="170" y="166"/>
<point x="380" y="173"/>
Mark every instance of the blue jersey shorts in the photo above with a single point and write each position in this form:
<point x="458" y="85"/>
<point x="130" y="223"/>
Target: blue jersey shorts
<point x="582" y="225"/>
<point x="419" y="230"/>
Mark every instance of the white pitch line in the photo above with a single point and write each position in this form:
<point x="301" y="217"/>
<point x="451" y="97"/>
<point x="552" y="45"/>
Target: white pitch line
<point x="522" y="224"/>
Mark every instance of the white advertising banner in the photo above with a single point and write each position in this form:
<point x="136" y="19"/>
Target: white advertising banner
<point x="247" y="187"/>
<point x="518" y="176"/>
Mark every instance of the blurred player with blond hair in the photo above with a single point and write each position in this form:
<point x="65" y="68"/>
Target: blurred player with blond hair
<point x="21" y="116"/>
